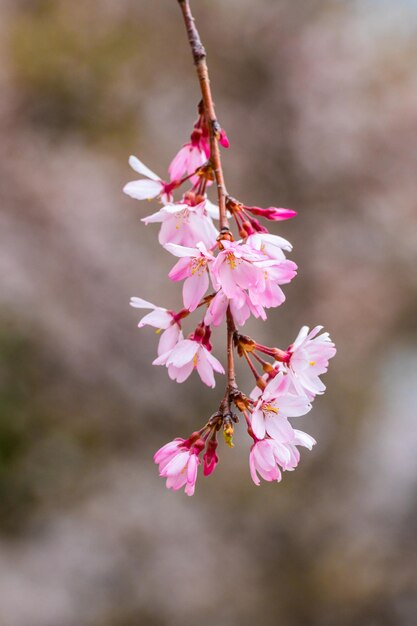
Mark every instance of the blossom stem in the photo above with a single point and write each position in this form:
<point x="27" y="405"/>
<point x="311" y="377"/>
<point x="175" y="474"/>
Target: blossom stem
<point x="249" y="425"/>
<point x="267" y="367"/>
<point x="251" y="366"/>
<point x="231" y="376"/>
<point x="186" y="312"/>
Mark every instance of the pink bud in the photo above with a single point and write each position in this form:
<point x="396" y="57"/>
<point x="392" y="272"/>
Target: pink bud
<point x="272" y="213"/>
<point x="223" y="139"/>
<point x="210" y="458"/>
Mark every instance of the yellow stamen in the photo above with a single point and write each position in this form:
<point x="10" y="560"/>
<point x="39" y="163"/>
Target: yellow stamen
<point x="198" y="265"/>
<point x="182" y="216"/>
<point x="312" y="362"/>
<point x="231" y="260"/>
<point x="271" y="409"/>
<point x="228" y="435"/>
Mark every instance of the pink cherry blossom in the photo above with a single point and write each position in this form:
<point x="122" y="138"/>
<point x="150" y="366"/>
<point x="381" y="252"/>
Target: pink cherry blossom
<point x="277" y="269"/>
<point x="178" y="463"/>
<point x="267" y="292"/>
<point x="271" y="246"/>
<point x="241" y="308"/>
<point x="162" y="319"/>
<point x="273" y="408"/>
<point x="187" y="355"/>
<point x="244" y="267"/>
<point x="184" y="224"/>
<point x="193" y="266"/>
<point x="151" y="186"/>
<point x="195" y="152"/>
<point x="309" y="359"/>
<point x="262" y="460"/>
<point x="234" y="268"/>
<point x="268" y="455"/>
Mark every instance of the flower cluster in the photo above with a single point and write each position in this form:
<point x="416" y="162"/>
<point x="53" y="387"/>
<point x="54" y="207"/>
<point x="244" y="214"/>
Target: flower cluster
<point x="227" y="277"/>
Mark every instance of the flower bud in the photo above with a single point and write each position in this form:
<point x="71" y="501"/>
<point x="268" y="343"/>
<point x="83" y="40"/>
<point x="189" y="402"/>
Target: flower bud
<point x="210" y="458"/>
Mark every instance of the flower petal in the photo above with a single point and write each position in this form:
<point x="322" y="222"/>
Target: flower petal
<point x="215" y="364"/>
<point x="181" y="251"/>
<point x="183" y="353"/>
<point x="141" y="168"/>
<point x="139" y="303"/>
<point x="180" y="374"/>
<point x="258" y="424"/>
<point x="169" y="338"/>
<point x="143" y="189"/>
<point x="159" y="318"/>
<point x="194" y="289"/>
<point x="205" y="370"/>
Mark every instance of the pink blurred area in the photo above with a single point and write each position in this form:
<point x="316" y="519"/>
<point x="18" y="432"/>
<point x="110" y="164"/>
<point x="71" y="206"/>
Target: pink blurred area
<point x="319" y="100"/>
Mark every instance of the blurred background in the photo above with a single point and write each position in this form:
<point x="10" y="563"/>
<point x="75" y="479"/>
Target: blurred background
<point x="319" y="99"/>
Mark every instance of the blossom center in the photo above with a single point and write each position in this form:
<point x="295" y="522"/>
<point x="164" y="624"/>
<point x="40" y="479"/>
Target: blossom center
<point x="268" y="408"/>
<point x="231" y="260"/>
<point x="198" y="266"/>
<point x="182" y="217"/>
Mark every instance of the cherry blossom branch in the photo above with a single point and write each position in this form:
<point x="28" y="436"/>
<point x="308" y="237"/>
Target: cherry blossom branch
<point x="246" y="276"/>
<point x="199" y="56"/>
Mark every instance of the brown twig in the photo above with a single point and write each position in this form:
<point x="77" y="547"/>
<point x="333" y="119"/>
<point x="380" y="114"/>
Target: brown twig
<point x="199" y="56"/>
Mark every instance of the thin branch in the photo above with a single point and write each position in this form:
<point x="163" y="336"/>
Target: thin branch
<point x="199" y="56"/>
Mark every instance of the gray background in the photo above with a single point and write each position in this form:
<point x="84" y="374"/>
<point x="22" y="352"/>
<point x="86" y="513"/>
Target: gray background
<point x="319" y="99"/>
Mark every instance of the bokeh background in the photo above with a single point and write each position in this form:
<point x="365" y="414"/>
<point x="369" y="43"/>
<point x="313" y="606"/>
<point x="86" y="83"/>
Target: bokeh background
<point x="319" y="98"/>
